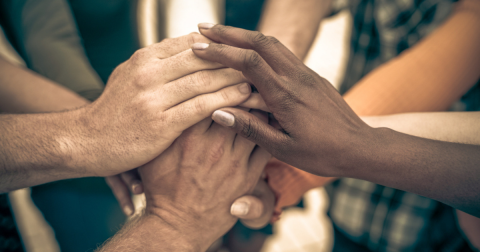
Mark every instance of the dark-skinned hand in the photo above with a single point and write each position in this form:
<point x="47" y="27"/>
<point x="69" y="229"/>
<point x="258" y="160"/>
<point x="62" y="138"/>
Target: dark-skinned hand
<point x="316" y="123"/>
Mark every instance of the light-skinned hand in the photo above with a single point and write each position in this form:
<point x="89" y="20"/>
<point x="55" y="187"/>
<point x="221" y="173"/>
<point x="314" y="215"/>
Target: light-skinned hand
<point x="193" y="183"/>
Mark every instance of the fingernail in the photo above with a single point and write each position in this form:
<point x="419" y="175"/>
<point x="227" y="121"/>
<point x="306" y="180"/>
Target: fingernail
<point x="205" y="25"/>
<point x="137" y="188"/>
<point x="239" y="209"/>
<point x="244" y="88"/>
<point x="200" y="46"/>
<point x="128" y="210"/>
<point x="223" y="118"/>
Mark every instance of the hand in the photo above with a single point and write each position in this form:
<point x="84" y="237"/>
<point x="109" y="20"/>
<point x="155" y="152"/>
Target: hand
<point x="193" y="183"/>
<point x="150" y="100"/>
<point x="316" y="122"/>
<point x="254" y="210"/>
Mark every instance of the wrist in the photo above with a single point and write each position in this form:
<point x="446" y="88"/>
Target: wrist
<point x="371" y="150"/>
<point x="362" y="148"/>
<point x="185" y="229"/>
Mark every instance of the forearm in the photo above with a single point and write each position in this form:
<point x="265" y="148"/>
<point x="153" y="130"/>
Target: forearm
<point x="294" y="23"/>
<point x="447" y="172"/>
<point x="148" y="232"/>
<point x="39" y="148"/>
<point x="23" y="91"/>
<point x="429" y="76"/>
<point x="46" y="156"/>
<point x="459" y="127"/>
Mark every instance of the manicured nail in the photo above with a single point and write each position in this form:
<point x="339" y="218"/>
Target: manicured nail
<point x="223" y="118"/>
<point x="128" y="210"/>
<point x="205" y="25"/>
<point x="239" y="209"/>
<point x="137" y="187"/>
<point x="244" y="88"/>
<point x="200" y="46"/>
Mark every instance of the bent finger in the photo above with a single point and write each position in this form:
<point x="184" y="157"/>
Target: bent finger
<point x="273" y="51"/>
<point x="252" y="128"/>
<point x="255" y="210"/>
<point x="133" y="181"/>
<point x="121" y="193"/>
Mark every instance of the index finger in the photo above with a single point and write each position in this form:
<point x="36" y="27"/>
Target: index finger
<point x="250" y="63"/>
<point x="273" y="51"/>
<point x="173" y="46"/>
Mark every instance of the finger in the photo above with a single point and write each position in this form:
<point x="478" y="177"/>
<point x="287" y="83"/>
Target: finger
<point x="275" y="53"/>
<point x="201" y="82"/>
<point x="243" y="145"/>
<point x="171" y="46"/>
<point x="260" y="206"/>
<point x="249" y="62"/>
<point x="121" y="193"/>
<point x="184" y="63"/>
<point x="190" y="112"/>
<point x="258" y="160"/>
<point x="255" y="101"/>
<point x="253" y="129"/>
<point x="133" y="181"/>
<point x="216" y="129"/>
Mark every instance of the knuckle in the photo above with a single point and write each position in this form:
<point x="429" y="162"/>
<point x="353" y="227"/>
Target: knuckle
<point x="259" y="40"/>
<point x="272" y="40"/>
<point x="252" y="59"/>
<point x="140" y="54"/>
<point x="248" y="129"/>
<point x="220" y="30"/>
<point x="226" y="95"/>
<point x="190" y="38"/>
<point x="141" y="76"/>
<point x="200" y="106"/>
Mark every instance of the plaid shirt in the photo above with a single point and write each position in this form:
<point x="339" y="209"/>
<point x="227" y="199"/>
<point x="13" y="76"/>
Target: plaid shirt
<point x="378" y="217"/>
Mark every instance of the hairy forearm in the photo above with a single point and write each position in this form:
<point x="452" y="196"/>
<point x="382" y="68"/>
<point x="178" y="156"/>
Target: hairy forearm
<point x="294" y="23"/>
<point x="148" y="232"/>
<point x="39" y="148"/>
<point x="457" y="127"/>
<point x="447" y="172"/>
<point x="46" y="156"/>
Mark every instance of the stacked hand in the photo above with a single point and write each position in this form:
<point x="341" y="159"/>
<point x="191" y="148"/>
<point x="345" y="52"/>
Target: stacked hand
<point x="316" y="123"/>
<point x="150" y="100"/>
<point x="193" y="183"/>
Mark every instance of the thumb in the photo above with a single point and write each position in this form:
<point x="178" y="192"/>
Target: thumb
<point x="250" y="127"/>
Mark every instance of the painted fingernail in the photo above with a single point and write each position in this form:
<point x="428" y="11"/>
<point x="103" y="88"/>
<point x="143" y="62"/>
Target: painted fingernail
<point x="223" y="118"/>
<point x="200" y="46"/>
<point x="239" y="209"/>
<point x="205" y="25"/>
<point x="127" y="210"/>
<point x="137" y="187"/>
<point x="244" y="88"/>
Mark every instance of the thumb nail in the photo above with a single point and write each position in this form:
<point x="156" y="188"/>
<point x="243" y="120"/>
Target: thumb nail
<point x="223" y="118"/>
<point x="239" y="209"/>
